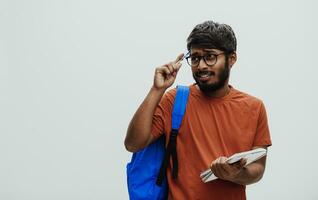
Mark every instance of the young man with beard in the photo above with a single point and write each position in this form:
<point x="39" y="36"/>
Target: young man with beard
<point x="219" y="120"/>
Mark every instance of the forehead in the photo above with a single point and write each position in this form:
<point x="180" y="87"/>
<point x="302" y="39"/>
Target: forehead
<point x="204" y="51"/>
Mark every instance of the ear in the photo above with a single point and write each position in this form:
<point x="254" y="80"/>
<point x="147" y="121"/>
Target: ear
<point x="232" y="58"/>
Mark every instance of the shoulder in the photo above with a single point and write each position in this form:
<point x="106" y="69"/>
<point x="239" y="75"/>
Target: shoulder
<point x="171" y="93"/>
<point x="167" y="99"/>
<point x="169" y="96"/>
<point x="245" y="97"/>
<point x="247" y="100"/>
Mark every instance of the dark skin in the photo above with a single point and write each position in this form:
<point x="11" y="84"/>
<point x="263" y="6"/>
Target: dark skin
<point x="139" y="130"/>
<point x="214" y="71"/>
<point x="238" y="172"/>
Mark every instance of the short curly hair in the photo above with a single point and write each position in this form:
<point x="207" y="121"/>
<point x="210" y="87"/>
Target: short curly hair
<point x="212" y="35"/>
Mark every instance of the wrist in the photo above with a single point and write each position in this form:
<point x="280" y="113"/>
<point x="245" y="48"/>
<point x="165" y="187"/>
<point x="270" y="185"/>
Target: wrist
<point x="157" y="90"/>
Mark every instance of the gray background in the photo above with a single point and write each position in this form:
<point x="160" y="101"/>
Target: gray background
<point x="73" y="72"/>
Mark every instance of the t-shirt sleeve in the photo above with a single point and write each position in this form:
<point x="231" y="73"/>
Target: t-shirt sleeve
<point x="262" y="135"/>
<point x="162" y="115"/>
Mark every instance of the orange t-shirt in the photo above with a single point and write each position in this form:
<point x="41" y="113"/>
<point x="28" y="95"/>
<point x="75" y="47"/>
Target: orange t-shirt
<point x="211" y="127"/>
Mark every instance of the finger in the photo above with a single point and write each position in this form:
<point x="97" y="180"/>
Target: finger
<point x="239" y="163"/>
<point x="218" y="161"/>
<point x="238" y="166"/>
<point x="165" y="69"/>
<point x="177" y="66"/>
<point x="228" y="168"/>
<point x="222" y="164"/>
<point x="215" y="162"/>
<point x="219" y="172"/>
<point x="171" y="67"/>
<point x="179" y="58"/>
<point x="242" y="162"/>
<point x="223" y="160"/>
<point x="215" y="166"/>
<point x="163" y="72"/>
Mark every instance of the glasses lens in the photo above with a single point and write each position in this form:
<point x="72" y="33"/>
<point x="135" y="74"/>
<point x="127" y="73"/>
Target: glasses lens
<point x="193" y="60"/>
<point x="210" y="59"/>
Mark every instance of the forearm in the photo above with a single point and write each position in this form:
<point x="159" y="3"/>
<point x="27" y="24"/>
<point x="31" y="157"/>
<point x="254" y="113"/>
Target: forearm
<point x="139" y="130"/>
<point x="251" y="173"/>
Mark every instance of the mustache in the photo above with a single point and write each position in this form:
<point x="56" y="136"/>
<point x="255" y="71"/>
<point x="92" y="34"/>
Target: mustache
<point x="200" y="73"/>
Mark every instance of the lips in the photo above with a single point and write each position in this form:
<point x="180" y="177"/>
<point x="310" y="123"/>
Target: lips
<point x="204" y="75"/>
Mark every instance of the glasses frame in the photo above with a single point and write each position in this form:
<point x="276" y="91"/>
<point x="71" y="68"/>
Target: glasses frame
<point x="188" y="55"/>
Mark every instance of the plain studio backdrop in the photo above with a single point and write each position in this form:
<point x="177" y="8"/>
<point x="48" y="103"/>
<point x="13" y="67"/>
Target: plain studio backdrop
<point x="73" y="72"/>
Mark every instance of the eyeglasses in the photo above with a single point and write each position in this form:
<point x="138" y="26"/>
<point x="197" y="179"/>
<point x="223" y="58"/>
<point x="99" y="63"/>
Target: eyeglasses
<point x="209" y="59"/>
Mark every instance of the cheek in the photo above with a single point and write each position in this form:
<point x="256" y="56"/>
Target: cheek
<point x="193" y="71"/>
<point x="218" y="72"/>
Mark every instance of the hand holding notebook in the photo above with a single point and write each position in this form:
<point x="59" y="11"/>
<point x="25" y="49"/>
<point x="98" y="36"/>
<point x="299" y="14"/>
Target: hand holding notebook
<point x="250" y="157"/>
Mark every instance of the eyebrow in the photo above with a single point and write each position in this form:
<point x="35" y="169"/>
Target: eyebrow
<point x="210" y="50"/>
<point x="205" y="51"/>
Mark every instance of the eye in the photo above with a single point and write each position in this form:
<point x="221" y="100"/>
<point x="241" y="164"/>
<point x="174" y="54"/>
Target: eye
<point x="194" y="59"/>
<point x="210" y="57"/>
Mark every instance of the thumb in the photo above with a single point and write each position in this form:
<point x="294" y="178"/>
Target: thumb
<point x="242" y="162"/>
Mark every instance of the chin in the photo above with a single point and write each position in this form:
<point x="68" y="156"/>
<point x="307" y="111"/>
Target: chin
<point x="209" y="88"/>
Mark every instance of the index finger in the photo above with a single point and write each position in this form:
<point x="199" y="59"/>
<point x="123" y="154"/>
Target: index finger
<point x="179" y="58"/>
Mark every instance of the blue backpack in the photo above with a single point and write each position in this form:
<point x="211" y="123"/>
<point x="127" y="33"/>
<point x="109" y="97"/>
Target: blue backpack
<point x="146" y="173"/>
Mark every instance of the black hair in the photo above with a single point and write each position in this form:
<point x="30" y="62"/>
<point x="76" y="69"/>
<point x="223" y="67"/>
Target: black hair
<point x="212" y="35"/>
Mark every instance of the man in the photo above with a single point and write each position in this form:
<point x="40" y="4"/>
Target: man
<point x="219" y="120"/>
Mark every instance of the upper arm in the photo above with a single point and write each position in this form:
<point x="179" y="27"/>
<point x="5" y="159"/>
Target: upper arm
<point x="161" y="120"/>
<point x="151" y="139"/>
<point x="262" y="133"/>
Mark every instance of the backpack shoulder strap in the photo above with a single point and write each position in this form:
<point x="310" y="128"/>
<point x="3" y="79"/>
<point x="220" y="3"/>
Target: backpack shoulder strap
<point x="179" y="107"/>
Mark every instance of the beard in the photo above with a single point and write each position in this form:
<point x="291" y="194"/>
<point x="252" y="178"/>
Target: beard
<point x="221" y="80"/>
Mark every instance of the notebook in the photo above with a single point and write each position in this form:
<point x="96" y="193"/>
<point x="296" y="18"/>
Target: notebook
<point x="250" y="157"/>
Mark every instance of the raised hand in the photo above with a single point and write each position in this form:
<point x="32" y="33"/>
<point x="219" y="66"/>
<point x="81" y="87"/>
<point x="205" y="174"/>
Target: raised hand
<point x="166" y="75"/>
